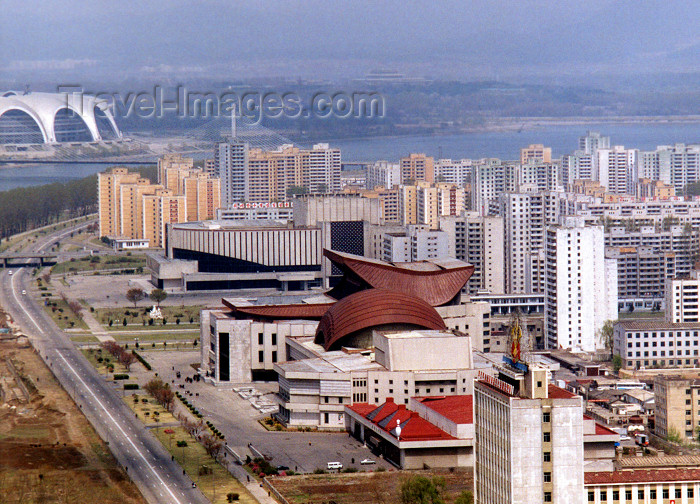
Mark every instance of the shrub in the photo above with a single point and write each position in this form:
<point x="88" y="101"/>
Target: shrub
<point x="232" y="496"/>
<point x="318" y="470"/>
<point x="121" y="376"/>
<point x="380" y="469"/>
<point x="131" y="386"/>
<point x="181" y="444"/>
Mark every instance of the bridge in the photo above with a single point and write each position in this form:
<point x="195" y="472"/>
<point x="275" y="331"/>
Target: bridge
<point x="40" y="258"/>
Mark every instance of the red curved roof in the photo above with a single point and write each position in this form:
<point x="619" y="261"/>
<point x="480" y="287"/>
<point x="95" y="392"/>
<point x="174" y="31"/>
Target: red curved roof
<point x="438" y="281"/>
<point x="375" y="307"/>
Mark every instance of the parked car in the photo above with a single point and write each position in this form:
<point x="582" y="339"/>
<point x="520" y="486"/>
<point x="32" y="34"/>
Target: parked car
<point x="24" y="292"/>
<point x="334" y="465"/>
<point x="282" y="468"/>
<point x="367" y="462"/>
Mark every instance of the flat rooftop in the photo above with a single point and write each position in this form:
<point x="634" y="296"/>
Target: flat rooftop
<point x="226" y="225"/>
<point x="332" y="362"/>
<point x="419" y="334"/>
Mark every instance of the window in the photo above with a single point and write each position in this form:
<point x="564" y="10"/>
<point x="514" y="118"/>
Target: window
<point x="678" y="493"/>
<point x="261" y="356"/>
<point x="326" y="399"/>
<point x="664" y="493"/>
<point x="546" y="417"/>
<point x="274" y="356"/>
<point x="261" y="337"/>
<point x="690" y="493"/>
<point x="546" y="437"/>
<point x="274" y="338"/>
<point x="340" y="400"/>
<point x="547" y="477"/>
<point x="591" y="496"/>
<point x="628" y="495"/>
<point x="548" y="496"/>
<point x="547" y="456"/>
<point x="603" y="496"/>
<point x="652" y="494"/>
<point x="640" y="494"/>
<point x="616" y="495"/>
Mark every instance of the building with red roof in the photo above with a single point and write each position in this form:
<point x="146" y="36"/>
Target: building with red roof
<point x="408" y="439"/>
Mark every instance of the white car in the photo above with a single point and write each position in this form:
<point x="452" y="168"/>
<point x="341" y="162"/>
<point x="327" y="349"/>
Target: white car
<point x="367" y="462"/>
<point x="9" y="272"/>
<point x="24" y="292"/>
<point x="334" y="465"/>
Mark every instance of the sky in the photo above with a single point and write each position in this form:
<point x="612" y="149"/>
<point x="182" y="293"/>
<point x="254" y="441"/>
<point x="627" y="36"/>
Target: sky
<point x="179" y="39"/>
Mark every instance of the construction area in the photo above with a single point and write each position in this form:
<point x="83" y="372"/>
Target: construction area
<point x="49" y="453"/>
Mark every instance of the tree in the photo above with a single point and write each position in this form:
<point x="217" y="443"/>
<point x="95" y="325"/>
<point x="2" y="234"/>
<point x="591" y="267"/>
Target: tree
<point x="607" y="334"/>
<point x="421" y="490"/>
<point x="617" y="363"/>
<point x="158" y="295"/>
<point x="127" y="359"/>
<point x="135" y="295"/>
<point x="466" y="497"/>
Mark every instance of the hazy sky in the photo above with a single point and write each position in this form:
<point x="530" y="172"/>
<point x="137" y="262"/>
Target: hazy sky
<point x="63" y="39"/>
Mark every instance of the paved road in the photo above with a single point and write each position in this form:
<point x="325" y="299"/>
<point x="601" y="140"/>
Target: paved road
<point x="145" y="459"/>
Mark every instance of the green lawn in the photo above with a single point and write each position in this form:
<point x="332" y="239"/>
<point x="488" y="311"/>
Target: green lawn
<point x="149" y="412"/>
<point x="62" y="314"/>
<point x="84" y="338"/>
<point x="188" y="336"/>
<point x="99" y="263"/>
<point x="193" y="457"/>
<point x="136" y="317"/>
<point x="92" y="355"/>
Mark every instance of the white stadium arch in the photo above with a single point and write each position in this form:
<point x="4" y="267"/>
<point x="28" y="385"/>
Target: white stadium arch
<point x="51" y="118"/>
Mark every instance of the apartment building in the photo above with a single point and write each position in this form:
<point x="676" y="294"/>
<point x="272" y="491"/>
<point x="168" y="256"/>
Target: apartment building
<point x="580" y="285"/>
<point x="682" y="295"/>
<point x="478" y="241"/>
<point x="677" y="165"/>
<point x="654" y="189"/>
<point x="642" y="273"/>
<point x="490" y="179"/>
<point x="677" y="401"/>
<point x="274" y="175"/>
<point x="417" y="167"/>
<point x="454" y="171"/>
<point x="541" y="176"/>
<point x="231" y="168"/>
<point x="618" y="169"/>
<point x="526" y="216"/>
<point x="535" y="153"/>
<point x="416" y="243"/>
<point x="384" y="174"/>
<point x="656" y="343"/>
<point x="134" y="208"/>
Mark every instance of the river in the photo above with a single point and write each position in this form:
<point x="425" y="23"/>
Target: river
<point x="500" y="144"/>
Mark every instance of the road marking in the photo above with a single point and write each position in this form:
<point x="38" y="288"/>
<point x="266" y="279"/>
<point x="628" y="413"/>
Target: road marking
<point x="19" y="303"/>
<point x="60" y="354"/>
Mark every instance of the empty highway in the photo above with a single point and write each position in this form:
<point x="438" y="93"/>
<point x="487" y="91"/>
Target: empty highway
<point x="145" y="459"/>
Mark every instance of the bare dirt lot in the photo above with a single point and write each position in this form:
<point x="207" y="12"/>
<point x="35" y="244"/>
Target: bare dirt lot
<point x="49" y="453"/>
<point x="369" y="488"/>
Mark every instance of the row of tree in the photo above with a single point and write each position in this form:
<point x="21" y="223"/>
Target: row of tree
<point x="27" y="208"/>
<point x="125" y="358"/>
